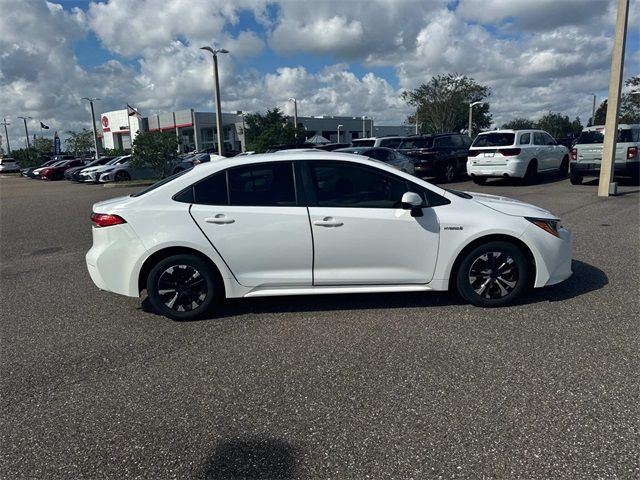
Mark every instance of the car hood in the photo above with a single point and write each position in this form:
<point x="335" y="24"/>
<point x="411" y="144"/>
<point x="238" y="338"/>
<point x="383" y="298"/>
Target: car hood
<point x="510" y="206"/>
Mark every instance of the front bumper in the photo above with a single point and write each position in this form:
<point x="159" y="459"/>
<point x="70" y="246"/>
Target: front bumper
<point x="553" y="255"/>
<point x="624" y="169"/>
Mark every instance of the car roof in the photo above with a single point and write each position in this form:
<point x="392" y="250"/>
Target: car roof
<point x="602" y="127"/>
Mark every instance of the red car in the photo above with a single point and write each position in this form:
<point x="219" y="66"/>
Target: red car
<point x="57" y="172"/>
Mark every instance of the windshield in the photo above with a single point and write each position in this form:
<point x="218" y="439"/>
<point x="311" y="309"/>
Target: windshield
<point x="416" y="143"/>
<point x="494" y="140"/>
<point x="592" y="136"/>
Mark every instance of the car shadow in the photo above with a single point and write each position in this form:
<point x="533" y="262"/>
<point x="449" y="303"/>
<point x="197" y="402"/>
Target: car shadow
<point x="586" y="278"/>
<point x="252" y="459"/>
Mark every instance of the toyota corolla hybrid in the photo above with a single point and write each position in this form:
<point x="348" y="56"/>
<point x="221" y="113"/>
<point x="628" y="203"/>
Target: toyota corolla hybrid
<point x="293" y="223"/>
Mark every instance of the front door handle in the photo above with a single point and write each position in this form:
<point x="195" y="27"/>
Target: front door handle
<point x="328" y="222"/>
<point x="220" y="219"/>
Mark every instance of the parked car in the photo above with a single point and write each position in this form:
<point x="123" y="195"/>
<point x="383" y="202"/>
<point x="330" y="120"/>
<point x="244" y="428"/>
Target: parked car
<point x="36" y="172"/>
<point x="90" y="174"/>
<point x="73" y="174"/>
<point x="56" y="172"/>
<point x="190" y="161"/>
<point x="388" y="141"/>
<point x="441" y="155"/>
<point x="124" y="171"/>
<point x="586" y="154"/>
<point x="8" y="165"/>
<point x="385" y="155"/>
<point x="63" y="157"/>
<point x="294" y="223"/>
<point x="516" y="154"/>
<point x="330" y="147"/>
<point x="28" y="172"/>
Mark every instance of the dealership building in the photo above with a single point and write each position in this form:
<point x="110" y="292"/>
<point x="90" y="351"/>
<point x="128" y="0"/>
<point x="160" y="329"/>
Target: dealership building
<point x="197" y="130"/>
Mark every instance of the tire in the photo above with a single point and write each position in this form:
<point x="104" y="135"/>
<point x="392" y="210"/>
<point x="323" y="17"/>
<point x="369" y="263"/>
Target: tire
<point x="563" y="171"/>
<point x="447" y="173"/>
<point x="575" y="178"/>
<point x="121" y="176"/>
<point x="175" y="293"/>
<point x="492" y="275"/>
<point x="531" y="174"/>
<point x="479" y="180"/>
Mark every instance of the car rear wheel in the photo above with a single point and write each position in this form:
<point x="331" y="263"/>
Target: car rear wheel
<point x="531" y="174"/>
<point x="122" y="177"/>
<point x="183" y="287"/>
<point x="479" y="180"/>
<point x="493" y="274"/>
<point x="575" y="178"/>
<point x="563" y="171"/>
<point x="447" y="173"/>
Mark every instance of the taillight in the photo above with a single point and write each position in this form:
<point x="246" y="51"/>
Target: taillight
<point x="473" y="153"/>
<point x="509" y="152"/>
<point x="104" y="220"/>
<point x="574" y="154"/>
<point x="632" y="152"/>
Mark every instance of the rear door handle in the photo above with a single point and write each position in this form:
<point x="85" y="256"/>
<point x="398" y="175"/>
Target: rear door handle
<point x="328" y="222"/>
<point x="220" y="219"/>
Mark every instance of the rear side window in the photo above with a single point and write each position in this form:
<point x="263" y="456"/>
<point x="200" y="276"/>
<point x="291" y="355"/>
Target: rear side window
<point x="363" y="143"/>
<point x="525" y="139"/>
<point x="417" y="143"/>
<point x="266" y="184"/>
<point x="212" y="190"/>
<point x="390" y="142"/>
<point x="494" y="140"/>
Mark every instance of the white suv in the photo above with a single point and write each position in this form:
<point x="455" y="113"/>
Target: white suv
<point x="389" y="142"/>
<point x="515" y="154"/>
<point x="8" y="165"/>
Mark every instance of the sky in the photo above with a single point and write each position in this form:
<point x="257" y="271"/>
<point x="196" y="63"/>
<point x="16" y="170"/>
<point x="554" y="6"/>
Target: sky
<point x="336" y="57"/>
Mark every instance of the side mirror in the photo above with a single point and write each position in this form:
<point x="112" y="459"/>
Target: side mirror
<point x="412" y="201"/>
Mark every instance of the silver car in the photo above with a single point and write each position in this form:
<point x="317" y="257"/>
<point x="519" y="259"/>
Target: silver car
<point x="123" y="171"/>
<point x="385" y="155"/>
<point x="91" y="174"/>
<point x="586" y="154"/>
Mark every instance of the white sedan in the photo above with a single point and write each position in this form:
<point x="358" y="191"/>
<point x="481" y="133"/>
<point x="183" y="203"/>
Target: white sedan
<point x="297" y="223"/>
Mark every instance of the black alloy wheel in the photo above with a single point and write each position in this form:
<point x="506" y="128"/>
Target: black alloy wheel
<point x="493" y="274"/>
<point x="183" y="287"/>
<point x="122" y="176"/>
<point x="447" y="173"/>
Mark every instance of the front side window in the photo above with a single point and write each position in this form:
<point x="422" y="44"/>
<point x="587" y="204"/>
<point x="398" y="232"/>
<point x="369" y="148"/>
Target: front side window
<point x="344" y="185"/>
<point x="265" y="184"/>
<point x="538" y="139"/>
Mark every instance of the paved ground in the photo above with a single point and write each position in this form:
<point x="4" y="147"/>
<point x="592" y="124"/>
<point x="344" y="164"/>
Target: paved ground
<point x="358" y="386"/>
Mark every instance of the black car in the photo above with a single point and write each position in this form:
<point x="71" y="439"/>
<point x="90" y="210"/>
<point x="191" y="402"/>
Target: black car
<point x="73" y="174"/>
<point x="28" y="172"/>
<point x="440" y="155"/>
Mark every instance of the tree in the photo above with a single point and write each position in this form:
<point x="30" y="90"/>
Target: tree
<point x="112" y="152"/>
<point x="43" y="147"/>
<point x="443" y="103"/>
<point x="155" y="150"/>
<point x="25" y="158"/>
<point x="629" y="105"/>
<point x="273" y="128"/>
<point x="519" y="124"/>
<point x="558" y="125"/>
<point x="79" y="143"/>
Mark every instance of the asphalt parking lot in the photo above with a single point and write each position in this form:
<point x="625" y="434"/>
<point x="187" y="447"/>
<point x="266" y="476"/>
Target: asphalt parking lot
<point x="355" y="386"/>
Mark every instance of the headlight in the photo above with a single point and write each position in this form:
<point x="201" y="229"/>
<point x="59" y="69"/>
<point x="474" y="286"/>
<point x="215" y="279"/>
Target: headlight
<point x="548" y="225"/>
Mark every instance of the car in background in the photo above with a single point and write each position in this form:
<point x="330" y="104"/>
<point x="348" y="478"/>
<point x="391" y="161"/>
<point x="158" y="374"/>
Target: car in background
<point x="90" y="174"/>
<point x="56" y="172"/>
<point x="28" y="172"/>
<point x="125" y="171"/>
<point x="8" y="165"/>
<point x="586" y="154"/>
<point x="289" y="146"/>
<point x="330" y="147"/>
<point x="388" y="141"/>
<point x="36" y="173"/>
<point x="73" y="174"/>
<point x="441" y="155"/>
<point x="382" y="154"/>
<point x="521" y="154"/>
<point x="317" y="223"/>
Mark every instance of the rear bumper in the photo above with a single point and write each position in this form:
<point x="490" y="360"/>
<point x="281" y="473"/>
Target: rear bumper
<point x="626" y="169"/>
<point x="510" y="168"/>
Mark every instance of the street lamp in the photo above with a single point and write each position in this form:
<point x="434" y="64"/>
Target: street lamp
<point x="295" y="112"/>
<point x="593" y="109"/>
<point x="339" y="127"/>
<point x="26" y="131"/>
<point x="217" y="93"/>
<point x="471" y="105"/>
<point x="364" y="128"/>
<point x="93" y="123"/>
<point x="6" y="134"/>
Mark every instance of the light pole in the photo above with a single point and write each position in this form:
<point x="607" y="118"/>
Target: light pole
<point x="6" y="134"/>
<point x="339" y="127"/>
<point x="244" y="133"/>
<point x="417" y="122"/>
<point x="372" y="134"/>
<point x="593" y="109"/>
<point x="364" y="126"/>
<point x="471" y="105"/>
<point x="295" y="112"/>
<point x="93" y="123"/>
<point x="217" y="94"/>
<point x="26" y="132"/>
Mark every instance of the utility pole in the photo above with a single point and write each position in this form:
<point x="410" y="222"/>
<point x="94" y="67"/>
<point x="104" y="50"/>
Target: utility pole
<point x="6" y="134"/>
<point x="364" y="127"/>
<point x="593" y="110"/>
<point x="217" y="95"/>
<point x="417" y="121"/>
<point x="295" y="112"/>
<point x="606" y="187"/>
<point x="26" y="132"/>
<point x="93" y="124"/>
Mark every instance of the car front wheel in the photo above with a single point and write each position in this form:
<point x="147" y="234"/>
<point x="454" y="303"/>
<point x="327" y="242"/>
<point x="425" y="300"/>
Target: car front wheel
<point x="183" y="287"/>
<point x="493" y="274"/>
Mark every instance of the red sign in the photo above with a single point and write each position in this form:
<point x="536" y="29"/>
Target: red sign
<point x="105" y="122"/>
